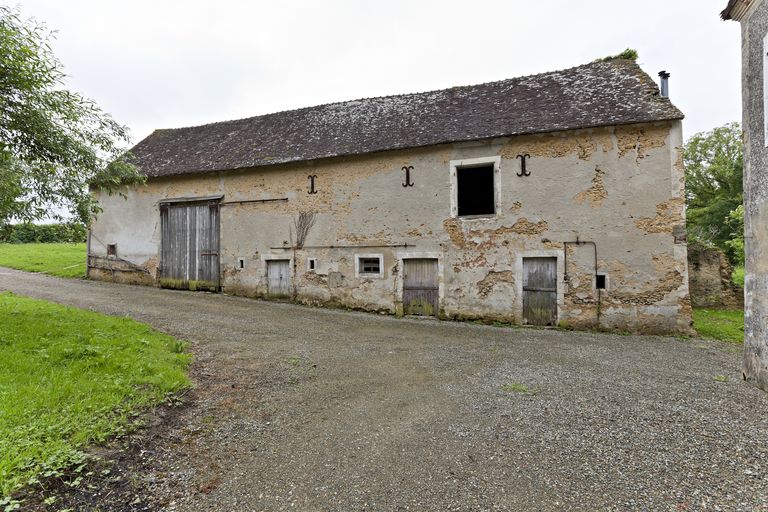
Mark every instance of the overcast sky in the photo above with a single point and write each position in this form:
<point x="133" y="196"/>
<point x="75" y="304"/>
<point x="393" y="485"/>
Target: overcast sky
<point x="164" y="64"/>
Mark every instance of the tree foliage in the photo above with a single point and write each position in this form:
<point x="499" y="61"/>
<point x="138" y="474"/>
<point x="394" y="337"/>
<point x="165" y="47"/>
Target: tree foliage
<point x="53" y="142"/>
<point x="714" y="168"/>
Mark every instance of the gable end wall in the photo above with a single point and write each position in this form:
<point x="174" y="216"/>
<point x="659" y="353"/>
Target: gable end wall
<point x="754" y="30"/>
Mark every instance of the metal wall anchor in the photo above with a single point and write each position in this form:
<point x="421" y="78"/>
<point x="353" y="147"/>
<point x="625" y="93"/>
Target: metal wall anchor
<point x="408" y="169"/>
<point x="523" y="171"/>
<point x="312" y="178"/>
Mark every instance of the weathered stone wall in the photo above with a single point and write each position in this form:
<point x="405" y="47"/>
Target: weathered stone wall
<point x="107" y="268"/>
<point x="754" y="30"/>
<point x="709" y="278"/>
<point x="621" y="188"/>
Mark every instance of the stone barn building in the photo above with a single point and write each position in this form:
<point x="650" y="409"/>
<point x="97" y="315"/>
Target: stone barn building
<point x="554" y="199"/>
<point x="753" y="15"/>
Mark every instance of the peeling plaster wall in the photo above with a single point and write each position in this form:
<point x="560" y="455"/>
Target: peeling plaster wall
<point x="621" y="188"/>
<point x="754" y="30"/>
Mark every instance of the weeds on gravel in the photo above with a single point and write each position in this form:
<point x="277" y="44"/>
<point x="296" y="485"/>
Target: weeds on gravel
<point x="516" y="387"/>
<point x="293" y="361"/>
<point x="298" y="368"/>
<point x="720" y="378"/>
<point x="69" y="378"/>
<point x="62" y="260"/>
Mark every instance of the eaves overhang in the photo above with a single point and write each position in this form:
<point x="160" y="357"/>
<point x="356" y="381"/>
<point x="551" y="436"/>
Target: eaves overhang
<point x="737" y="10"/>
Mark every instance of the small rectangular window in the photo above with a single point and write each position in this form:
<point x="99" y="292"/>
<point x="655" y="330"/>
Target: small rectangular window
<point x="241" y="263"/>
<point x="111" y="249"/>
<point x="370" y="266"/>
<point x="312" y="264"/>
<point x="600" y="282"/>
<point x="475" y="190"/>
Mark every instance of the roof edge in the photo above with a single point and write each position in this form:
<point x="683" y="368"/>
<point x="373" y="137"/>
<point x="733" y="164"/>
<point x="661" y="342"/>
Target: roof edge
<point x="726" y="13"/>
<point x="402" y="95"/>
<point x="405" y="148"/>
<point x="737" y="10"/>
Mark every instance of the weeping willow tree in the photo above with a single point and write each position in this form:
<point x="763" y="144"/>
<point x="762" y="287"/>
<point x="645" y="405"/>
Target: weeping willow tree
<point x="54" y="143"/>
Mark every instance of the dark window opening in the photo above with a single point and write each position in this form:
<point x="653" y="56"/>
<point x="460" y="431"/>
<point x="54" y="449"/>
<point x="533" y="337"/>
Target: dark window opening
<point x="370" y="266"/>
<point x="241" y="263"/>
<point x="600" y="282"/>
<point x="475" y="191"/>
<point x="312" y="263"/>
<point x="111" y="249"/>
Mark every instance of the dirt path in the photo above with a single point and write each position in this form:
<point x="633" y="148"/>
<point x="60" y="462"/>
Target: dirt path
<point x="312" y="409"/>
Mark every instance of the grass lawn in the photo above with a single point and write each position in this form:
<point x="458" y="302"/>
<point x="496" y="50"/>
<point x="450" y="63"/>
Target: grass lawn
<point x="63" y="260"/>
<point x="720" y="324"/>
<point x="70" y="378"/>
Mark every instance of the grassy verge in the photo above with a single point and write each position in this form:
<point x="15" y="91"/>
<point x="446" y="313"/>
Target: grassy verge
<point x="720" y="324"/>
<point x="69" y="378"/>
<point x="63" y="260"/>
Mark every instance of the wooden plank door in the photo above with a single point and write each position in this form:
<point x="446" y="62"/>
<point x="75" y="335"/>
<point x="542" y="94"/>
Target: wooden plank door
<point x="278" y="278"/>
<point x="189" y="256"/>
<point x="420" y="287"/>
<point x="540" y="291"/>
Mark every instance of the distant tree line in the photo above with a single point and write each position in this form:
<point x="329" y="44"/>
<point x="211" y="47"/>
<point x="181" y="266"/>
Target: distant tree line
<point x="28" y="233"/>
<point x="714" y="170"/>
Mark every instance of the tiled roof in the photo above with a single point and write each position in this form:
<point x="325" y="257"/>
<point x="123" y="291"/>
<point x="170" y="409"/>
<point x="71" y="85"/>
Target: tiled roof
<point x="602" y="93"/>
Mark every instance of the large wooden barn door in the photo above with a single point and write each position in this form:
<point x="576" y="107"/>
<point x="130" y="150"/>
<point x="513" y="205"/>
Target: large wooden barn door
<point x="279" y="278"/>
<point x="190" y="245"/>
<point x="420" y="287"/>
<point x="540" y="291"/>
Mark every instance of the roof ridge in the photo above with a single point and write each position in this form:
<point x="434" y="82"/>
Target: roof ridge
<point x="595" y="63"/>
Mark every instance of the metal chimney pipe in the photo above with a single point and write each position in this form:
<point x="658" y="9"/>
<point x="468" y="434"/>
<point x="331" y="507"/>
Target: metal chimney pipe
<point x="664" y="84"/>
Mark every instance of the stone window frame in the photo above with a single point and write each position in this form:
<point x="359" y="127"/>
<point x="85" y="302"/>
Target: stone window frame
<point x="454" y="165"/>
<point x="369" y="275"/>
<point x="607" y="282"/>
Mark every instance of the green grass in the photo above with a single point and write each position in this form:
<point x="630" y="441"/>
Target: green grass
<point x="720" y="324"/>
<point x="63" y="260"/>
<point x="738" y="276"/>
<point x="70" y="378"/>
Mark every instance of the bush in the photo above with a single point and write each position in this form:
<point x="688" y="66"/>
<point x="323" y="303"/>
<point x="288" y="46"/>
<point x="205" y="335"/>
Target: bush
<point x="29" y="233"/>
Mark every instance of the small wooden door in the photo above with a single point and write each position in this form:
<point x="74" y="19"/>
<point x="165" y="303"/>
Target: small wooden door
<point x="420" y="287"/>
<point x="540" y="291"/>
<point x="278" y="278"/>
<point x="189" y="257"/>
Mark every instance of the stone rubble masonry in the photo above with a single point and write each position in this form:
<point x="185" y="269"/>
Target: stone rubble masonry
<point x="620" y="187"/>
<point x="754" y="27"/>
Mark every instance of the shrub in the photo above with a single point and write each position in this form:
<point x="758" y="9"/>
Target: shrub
<point x="28" y="233"/>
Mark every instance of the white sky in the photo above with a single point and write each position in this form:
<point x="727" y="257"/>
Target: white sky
<point x="169" y="63"/>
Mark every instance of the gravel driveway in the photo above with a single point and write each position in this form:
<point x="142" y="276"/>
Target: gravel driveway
<point x="313" y="409"/>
